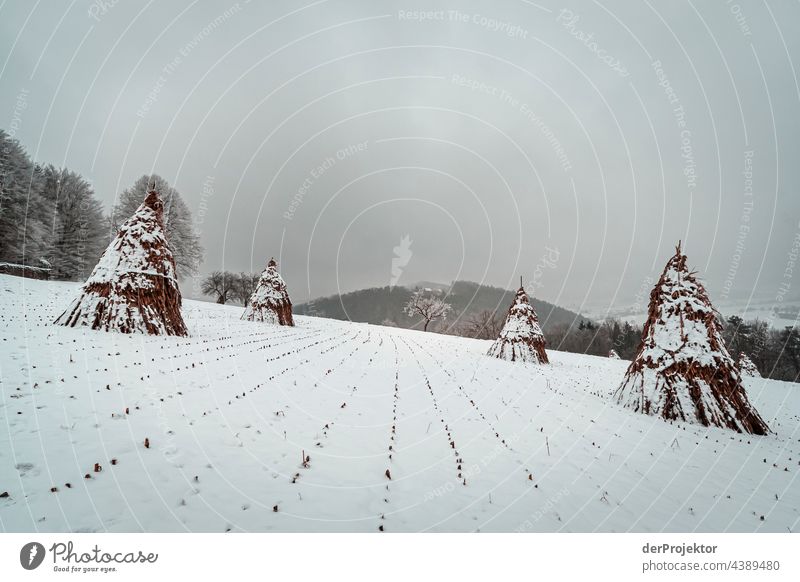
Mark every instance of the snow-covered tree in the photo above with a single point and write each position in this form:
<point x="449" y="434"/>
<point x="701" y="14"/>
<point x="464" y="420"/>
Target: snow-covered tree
<point x="521" y="339"/>
<point x="134" y="287"/>
<point x="22" y="210"/>
<point x="682" y="369"/>
<point x="77" y="232"/>
<point x="181" y="233"/>
<point x="426" y="306"/>
<point x="270" y="301"/>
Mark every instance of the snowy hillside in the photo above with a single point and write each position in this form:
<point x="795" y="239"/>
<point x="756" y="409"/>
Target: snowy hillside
<point x="263" y="428"/>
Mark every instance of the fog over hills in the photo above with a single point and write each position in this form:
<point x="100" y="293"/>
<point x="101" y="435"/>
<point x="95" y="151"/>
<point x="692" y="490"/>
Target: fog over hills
<point x="385" y="304"/>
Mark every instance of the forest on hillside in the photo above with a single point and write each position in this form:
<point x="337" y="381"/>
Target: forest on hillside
<point x="479" y="311"/>
<point x="469" y="301"/>
<point x="51" y="218"/>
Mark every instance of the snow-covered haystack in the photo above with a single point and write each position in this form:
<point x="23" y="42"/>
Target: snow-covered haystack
<point x="134" y="287"/>
<point x="747" y="367"/>
<point x="682" y="370"/>
<point x="613" y="355"/>
<point x="521" y="339"/>
<point x="270" y="301"/>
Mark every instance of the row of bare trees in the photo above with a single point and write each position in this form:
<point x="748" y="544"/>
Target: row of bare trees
<point x="225" y="286"/>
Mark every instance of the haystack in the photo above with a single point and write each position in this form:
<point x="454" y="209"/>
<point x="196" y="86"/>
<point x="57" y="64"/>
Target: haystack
<point x="270" y="301"/>
<point x="682" y="370"/>
<point x="747" y="367"/>
<point x="521" y="339"/>
<point x="134" y="287"/>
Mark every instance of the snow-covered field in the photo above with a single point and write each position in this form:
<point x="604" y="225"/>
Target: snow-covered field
<point x="475" y="443"/>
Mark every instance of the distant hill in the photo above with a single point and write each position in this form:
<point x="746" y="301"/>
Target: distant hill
<point x="381" y="305"/>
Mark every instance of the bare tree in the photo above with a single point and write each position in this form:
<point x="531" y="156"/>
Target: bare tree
<point x="219" y="284"/>
<point x="428" y="307"/>
<point x="243" y="286"/>
<point x="482" y="325"/>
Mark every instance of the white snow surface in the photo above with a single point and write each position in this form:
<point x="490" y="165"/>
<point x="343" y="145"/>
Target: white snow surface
<point x="230" y="411"/>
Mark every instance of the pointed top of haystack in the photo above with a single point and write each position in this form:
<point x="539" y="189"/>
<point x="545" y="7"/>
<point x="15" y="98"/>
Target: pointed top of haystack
<point x="682" y="370"/>
<point x="270" y="301"/>
<point x="153" y="200"/>
<point x="521" y="338"/>
<point x="134" y="286"/>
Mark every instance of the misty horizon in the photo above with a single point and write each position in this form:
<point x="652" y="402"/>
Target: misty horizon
<point x="572" y="147"/>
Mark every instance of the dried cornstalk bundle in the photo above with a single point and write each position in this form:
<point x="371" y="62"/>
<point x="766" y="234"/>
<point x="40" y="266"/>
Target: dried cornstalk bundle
<point x="270" y="301"/>
<point x="134" y="287"/>
<point x="747" y="367"/>
<point x="682" y="369"/>
<point x="521" y="339"/>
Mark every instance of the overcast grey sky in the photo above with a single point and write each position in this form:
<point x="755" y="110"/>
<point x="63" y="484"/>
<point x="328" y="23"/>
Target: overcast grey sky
<point x="571" y="143"/>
